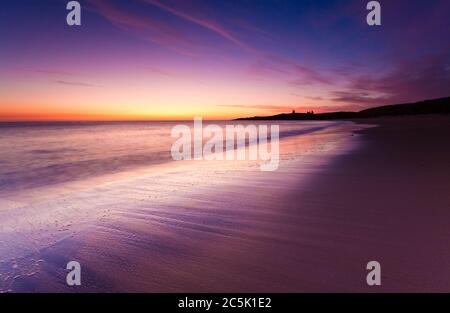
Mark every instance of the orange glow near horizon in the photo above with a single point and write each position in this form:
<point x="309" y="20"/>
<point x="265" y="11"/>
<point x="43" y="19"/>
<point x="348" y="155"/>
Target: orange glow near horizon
<point x="145" y="98"/>
<point x="226" y="113"/>
<point x="159" y="113"/>
<point x="105" y="117"/>
<point x="174" y="60"/>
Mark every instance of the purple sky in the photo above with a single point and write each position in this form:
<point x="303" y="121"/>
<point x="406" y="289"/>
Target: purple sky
<point x="172" y="59"/>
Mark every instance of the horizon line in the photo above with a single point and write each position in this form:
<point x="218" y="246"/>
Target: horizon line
<point x="111" y="119"/>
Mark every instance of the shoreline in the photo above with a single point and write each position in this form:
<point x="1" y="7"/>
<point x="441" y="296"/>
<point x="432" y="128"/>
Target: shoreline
<point x="160" y="222"/>
<point x="312" y="226"/>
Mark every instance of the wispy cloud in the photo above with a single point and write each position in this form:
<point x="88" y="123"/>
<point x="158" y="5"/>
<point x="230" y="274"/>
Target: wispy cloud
<point x="43" y="71"/>
<point x="314" y="98"/>
<point x="265" y="69"/>
<point x="258" y="107"/>
<point x="356" y="97"/>
<point x="205" y="23"/>
<point x="169" y="36"/>
<point x="268" y="62"/>
<point x="297" y="108"/>
<point x="409" y="80"/>
<point x="305" y="75"/>
<point x="155" y="30"/>
<point x="73" y="83"/>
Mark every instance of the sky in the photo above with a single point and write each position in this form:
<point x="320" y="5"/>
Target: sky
<point x="167" y="59"/>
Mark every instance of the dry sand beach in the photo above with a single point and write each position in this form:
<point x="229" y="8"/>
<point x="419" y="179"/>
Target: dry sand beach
<point x="344" y="195"/>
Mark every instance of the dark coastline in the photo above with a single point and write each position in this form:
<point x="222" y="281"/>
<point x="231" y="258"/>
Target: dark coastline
<point x="435" y="106"/>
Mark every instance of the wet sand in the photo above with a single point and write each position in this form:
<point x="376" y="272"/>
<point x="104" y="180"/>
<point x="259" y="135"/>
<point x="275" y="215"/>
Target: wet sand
<point x="388" y="201"/>
<point x="342" y="197"/>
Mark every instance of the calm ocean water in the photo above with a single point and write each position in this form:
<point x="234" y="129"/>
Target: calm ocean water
<point x="40" y="154"/>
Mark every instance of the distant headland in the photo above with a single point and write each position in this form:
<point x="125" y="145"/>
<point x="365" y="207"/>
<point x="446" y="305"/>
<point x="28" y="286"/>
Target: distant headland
<point x="434" y="106"/>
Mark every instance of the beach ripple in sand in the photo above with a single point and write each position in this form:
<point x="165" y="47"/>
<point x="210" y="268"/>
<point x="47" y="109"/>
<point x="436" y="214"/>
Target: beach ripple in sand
<point x="189" y="226"/>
